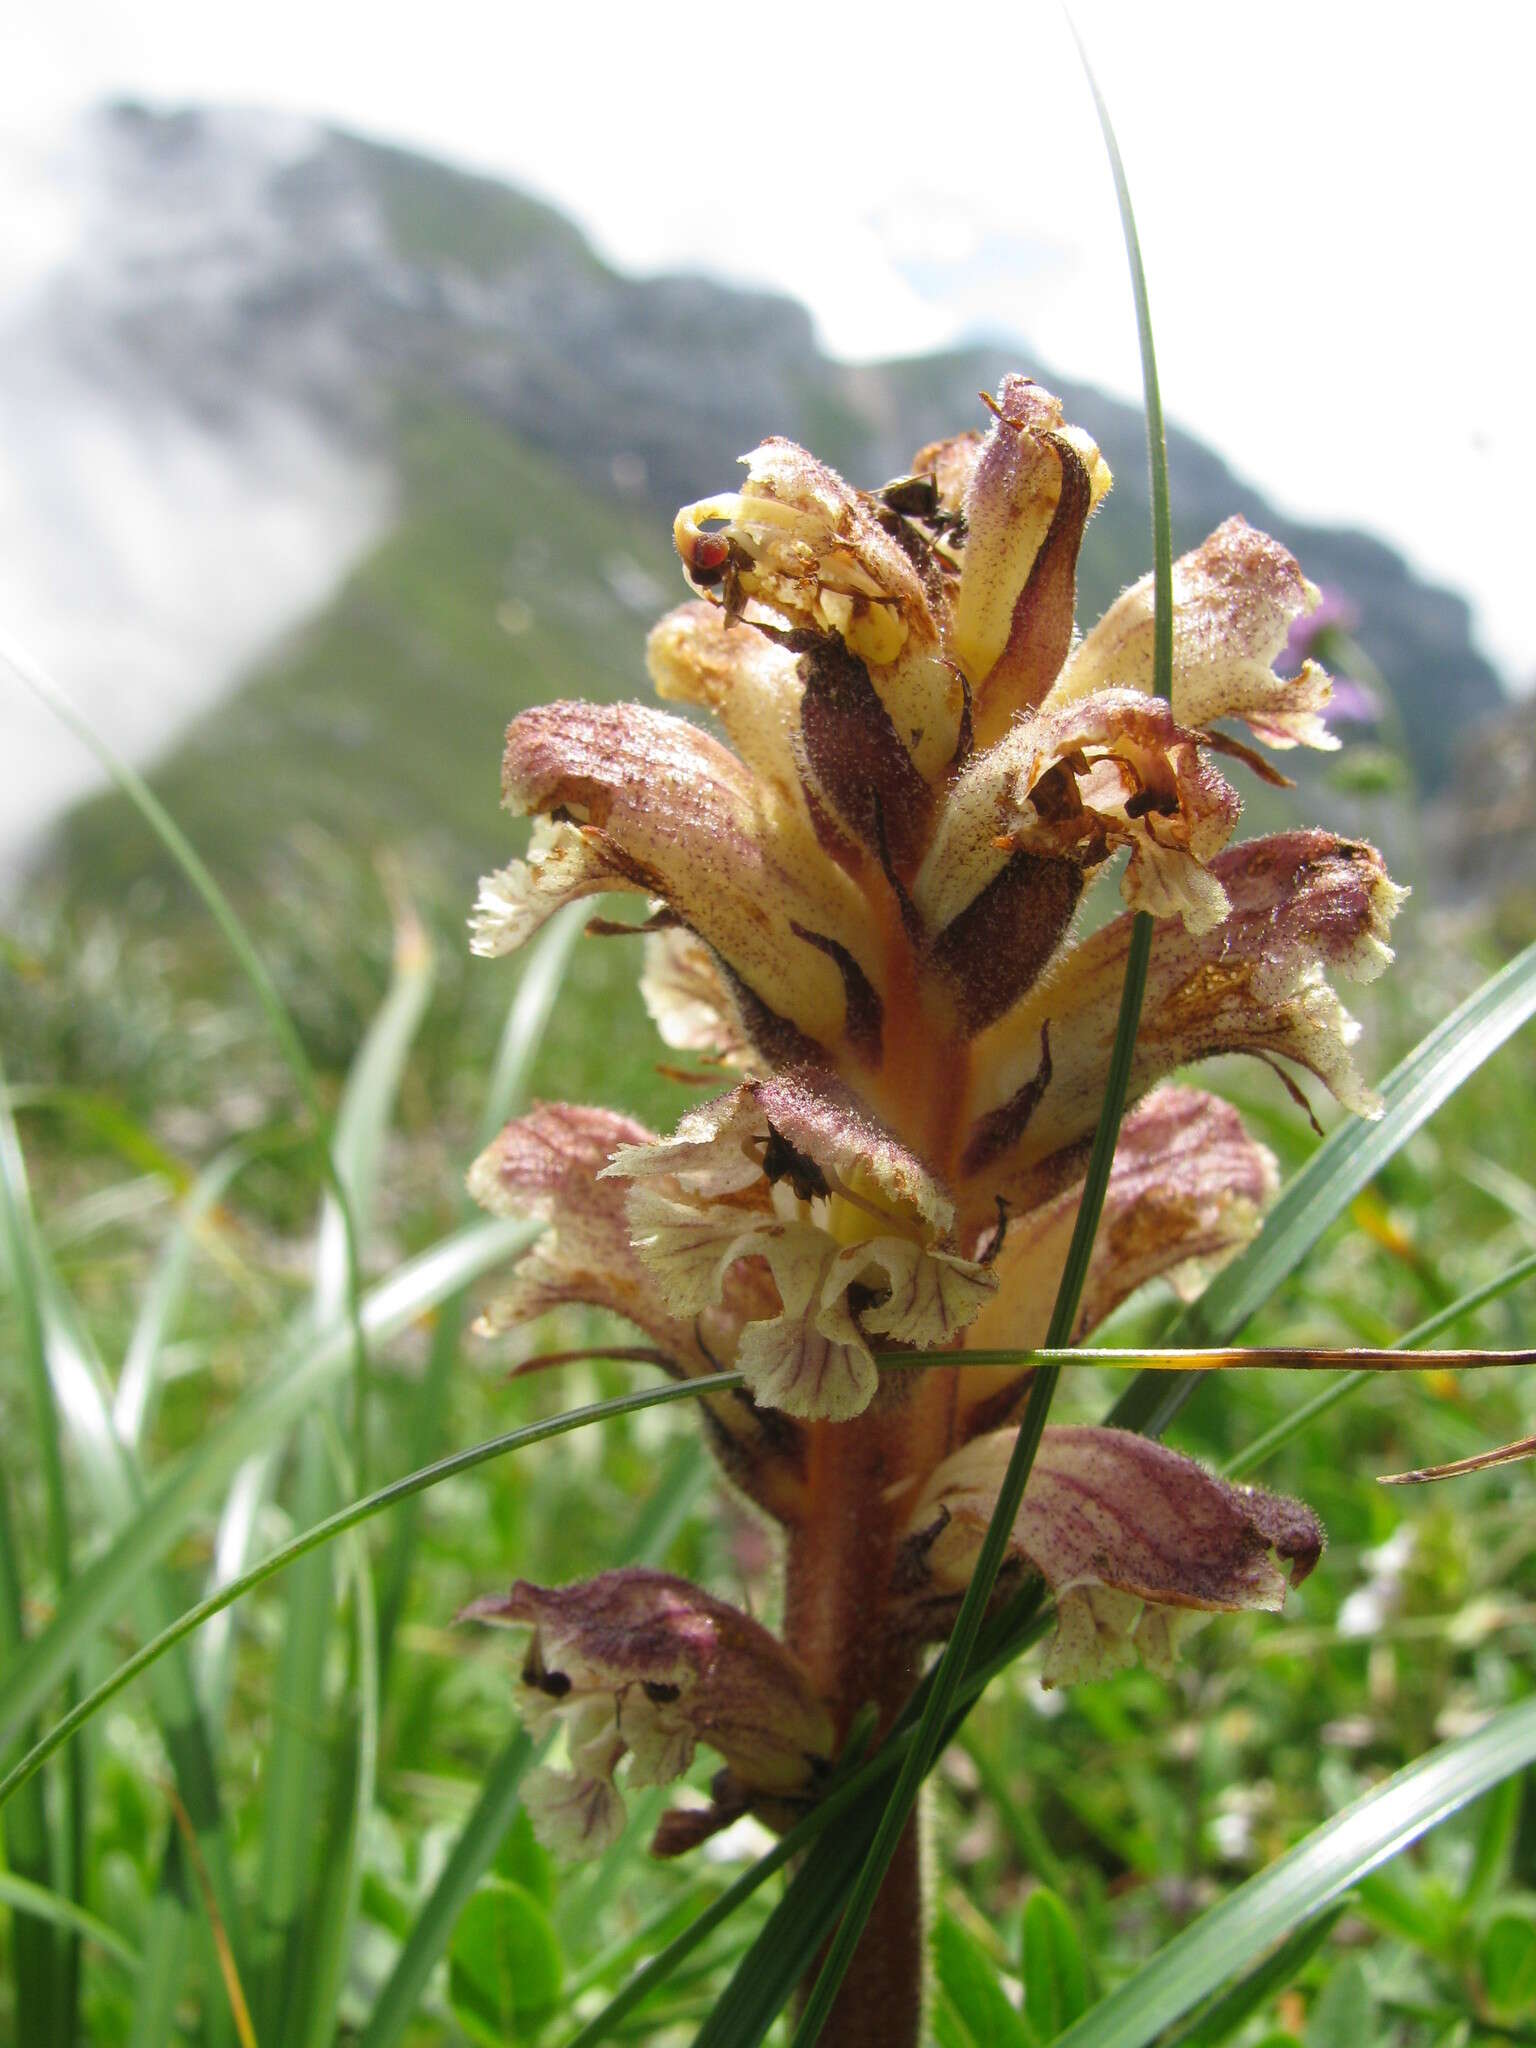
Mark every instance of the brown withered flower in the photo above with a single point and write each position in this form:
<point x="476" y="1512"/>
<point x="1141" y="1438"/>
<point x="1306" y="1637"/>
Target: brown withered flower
<point x="863" y="901"/>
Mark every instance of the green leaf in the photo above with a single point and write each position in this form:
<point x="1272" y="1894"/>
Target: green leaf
<point x="1332" y="1859"/>
<point x="1507" y="1961"/>
<point x="522" y="1859"/>
<point x="1399" y="1906"/>
<point x="504" y="1964"/>
<point x="1341" y="2014"/>
<point x="968" y="1979"/>
<point x="1498" y="1821"/>
<point x="1055" y="1975"/>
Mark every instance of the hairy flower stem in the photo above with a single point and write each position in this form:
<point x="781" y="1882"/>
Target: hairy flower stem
<point x="838" y="1572"/>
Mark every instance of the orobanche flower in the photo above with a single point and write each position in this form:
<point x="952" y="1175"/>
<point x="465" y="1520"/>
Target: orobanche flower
<point x="862" y="900"/>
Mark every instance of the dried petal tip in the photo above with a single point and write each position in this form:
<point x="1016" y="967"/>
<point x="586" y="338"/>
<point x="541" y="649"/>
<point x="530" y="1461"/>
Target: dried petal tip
<point x="642" y="1665"/>
<point x="1133" y="1540"/>
<point x="1235" y="599"/>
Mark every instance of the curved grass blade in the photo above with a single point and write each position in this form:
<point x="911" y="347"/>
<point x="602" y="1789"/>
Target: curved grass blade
<point x="82" y="1397"/>
<point x="103" y="1588"/>
<point x="946" y="1678"/>
<point x="35" y="1899"/>
<point x="138" y="1381"/>
<point x="367" y="1107"/>
<point x="1306" y="1880"/>
<point x="1347" y="1160"/>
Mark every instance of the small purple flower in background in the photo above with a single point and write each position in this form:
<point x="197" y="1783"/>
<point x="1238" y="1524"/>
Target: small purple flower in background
<point x="1327" y="635"/>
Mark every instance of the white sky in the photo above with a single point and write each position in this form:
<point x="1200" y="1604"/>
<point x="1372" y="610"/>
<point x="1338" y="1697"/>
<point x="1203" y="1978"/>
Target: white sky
<point x="1334" y="199"/>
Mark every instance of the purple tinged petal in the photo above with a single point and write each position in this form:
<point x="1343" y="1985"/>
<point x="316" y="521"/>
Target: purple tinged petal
<point x="1302" y="903"/>
<point x="639" y="1664"/>
<point x="1235" y="598"/>
<point x="1122" y="1529"/>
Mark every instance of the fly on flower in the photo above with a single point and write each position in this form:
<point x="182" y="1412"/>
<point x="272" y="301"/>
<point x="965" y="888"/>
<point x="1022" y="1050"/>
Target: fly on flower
<point x="864" y="890"/>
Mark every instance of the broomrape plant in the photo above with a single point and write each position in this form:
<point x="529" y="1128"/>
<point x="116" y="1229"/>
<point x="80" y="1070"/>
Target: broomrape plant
<point x="862" y="909"/>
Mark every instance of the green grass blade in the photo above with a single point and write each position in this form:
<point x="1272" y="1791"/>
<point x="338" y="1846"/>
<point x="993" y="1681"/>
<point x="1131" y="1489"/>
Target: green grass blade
<point x="58" y="1861"/>
<point x="83" y="1398"/>
<point x="1347" y="1160"/>
<point x="138" y="1382"/>
<point x="293" y="1843"/>
<point x="354" y="1776"/>
<point x="538" y="989"/>
<point x="234" y="1545"/>
<point x="951" y="1667"/>
<point x="24" y="1827"/>
<point x="468" y="1860"/>
<point x="102" y="1590"/>
<point x="309" y="1771"/>
<point x="35" y="1899"/>
<point x="167" y="1948"/>
<point x="366" y="1110"/>
<point x="1305" y="1881"/>
<point x="1226" y="2014"/>
<point x="847" y="1804"/>
<point x="1252" y="1455"/>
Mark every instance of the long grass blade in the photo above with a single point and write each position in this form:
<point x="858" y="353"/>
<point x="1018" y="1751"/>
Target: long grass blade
<point x="138" y="1381"/>
<point x="1306" y="1880"/>
<point x="58" y="1861"/>
<point x="354" y="1774"/>
<point x="41" y="1904"/>
<point x="79" y="1387"/>
<point x="24" y="1826"/>
<point x="920" y="1759"/>
<point x="309" y="1769"/>
<point x="538" y="990"/>
<point x="102" y="1589"/>
<point x="1252" y="1455"/>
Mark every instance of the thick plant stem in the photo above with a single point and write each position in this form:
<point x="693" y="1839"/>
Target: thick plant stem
<point x="838" y="1572"/>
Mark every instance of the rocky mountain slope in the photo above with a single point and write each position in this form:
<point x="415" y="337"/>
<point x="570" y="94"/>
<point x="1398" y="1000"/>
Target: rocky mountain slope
<point x="517" y="423"/>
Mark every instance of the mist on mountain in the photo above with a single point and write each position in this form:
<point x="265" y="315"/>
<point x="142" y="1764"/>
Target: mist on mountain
<point x="319" y="459"/>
